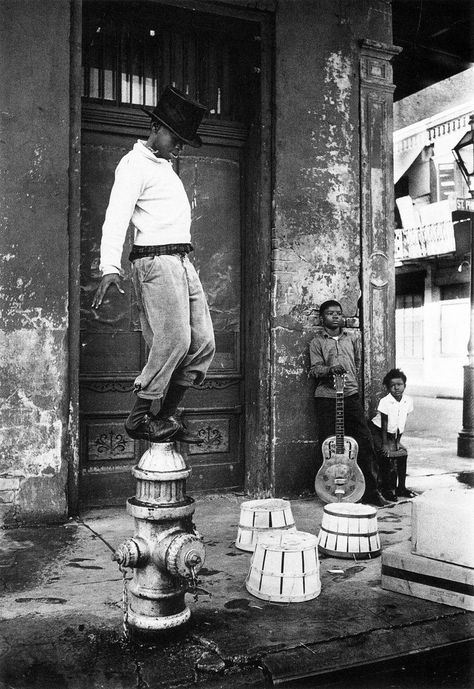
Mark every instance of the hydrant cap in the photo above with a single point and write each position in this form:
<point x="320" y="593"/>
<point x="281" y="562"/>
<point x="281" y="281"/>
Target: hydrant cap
<point x="162" y="458"/>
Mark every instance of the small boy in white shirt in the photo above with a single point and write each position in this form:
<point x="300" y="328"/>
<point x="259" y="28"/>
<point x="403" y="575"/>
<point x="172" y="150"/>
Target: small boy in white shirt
<point x="387" y="427"/>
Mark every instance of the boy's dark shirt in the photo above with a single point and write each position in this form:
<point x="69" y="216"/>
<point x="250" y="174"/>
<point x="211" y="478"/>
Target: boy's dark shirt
<point x="326" y="352"/>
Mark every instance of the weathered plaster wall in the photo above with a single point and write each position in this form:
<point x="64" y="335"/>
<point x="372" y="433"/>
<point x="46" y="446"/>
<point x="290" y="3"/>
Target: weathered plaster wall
<point x="317" y="202"/>
<point x="34" y="151"/>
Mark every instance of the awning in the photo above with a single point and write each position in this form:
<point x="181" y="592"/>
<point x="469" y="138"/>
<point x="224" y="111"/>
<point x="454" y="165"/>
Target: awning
<point x="402" y="160"/>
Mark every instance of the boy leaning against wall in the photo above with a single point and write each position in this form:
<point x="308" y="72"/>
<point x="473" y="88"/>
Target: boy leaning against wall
<point x="336" y="350"/>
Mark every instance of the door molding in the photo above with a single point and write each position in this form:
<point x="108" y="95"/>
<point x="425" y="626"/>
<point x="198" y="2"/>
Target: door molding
<point x="71" y="437"/>
<point x="259" y="452"/>
<point x="377" y="227"/>
<point x="98" y="117"/>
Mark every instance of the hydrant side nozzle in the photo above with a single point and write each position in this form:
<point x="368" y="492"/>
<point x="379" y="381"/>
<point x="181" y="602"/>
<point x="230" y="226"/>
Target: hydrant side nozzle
<point x="184" y="555"/>
<point x="131" y="553"/>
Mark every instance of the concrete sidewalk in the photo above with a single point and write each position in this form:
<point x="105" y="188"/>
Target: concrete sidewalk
<point x="62" y="604"/>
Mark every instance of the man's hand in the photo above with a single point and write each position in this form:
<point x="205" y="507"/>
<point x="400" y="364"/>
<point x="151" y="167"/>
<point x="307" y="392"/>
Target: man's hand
<point x="337" y="370"/>
<point x="107" y="280"/>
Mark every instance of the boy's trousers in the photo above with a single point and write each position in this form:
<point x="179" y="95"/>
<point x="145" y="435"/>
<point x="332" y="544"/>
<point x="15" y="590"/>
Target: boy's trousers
<point x="355" y="425"/>
<point x="387" y="465"/>
<point x="175" y="322"/>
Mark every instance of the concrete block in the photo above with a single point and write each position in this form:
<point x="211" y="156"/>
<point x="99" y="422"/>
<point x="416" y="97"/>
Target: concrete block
<point x="423" y="577"/>
<point x="443" y="526"/>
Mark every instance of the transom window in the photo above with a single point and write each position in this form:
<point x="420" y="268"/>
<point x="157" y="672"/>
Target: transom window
<point x="132" y="50"/>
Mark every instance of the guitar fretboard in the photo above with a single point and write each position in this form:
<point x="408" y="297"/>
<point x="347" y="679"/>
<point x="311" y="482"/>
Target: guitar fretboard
<point x="339" y="423"/>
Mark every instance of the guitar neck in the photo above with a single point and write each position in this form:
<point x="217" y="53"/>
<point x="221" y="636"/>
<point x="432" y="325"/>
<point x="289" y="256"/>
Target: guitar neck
<point x="340" y="423"/>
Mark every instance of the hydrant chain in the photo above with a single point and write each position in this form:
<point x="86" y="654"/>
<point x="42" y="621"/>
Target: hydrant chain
<point x="125" y="603"/>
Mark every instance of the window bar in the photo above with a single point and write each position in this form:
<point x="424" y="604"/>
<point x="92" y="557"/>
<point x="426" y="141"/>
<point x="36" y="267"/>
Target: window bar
<point x="203" y="71"/>
<point x="185" y="39"/>
<point x="178" y="60"/>
<point x="157" y="65"/>
<point x="93" y="67"/>
<point x="149" y="71"/>
<point x="193" y="68"/>
<point x="136" y="68"/>
<point x="212" y="78"/>
<point x="164" y="63"/>
<point x="159" y="62"/>
<point x="189" y="66"/>
<point x="125" y="67"/>
<point x="240" y="81"/>
<point x="118" y="62"/>
<point x="226" y="106"/>
<point x="144" y="52"/>
<point x="101" y="64"/>
<point x="141" y="49"/>
<point x="109" y="43"/>
<point x="85" y="76"/>
<point x="173" y="57"/>
<point x="121" y="79"/>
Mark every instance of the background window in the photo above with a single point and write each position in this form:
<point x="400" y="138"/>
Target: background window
<point x="454" y="319"/>
<point x="409" y="325"/>
<point x="446" y="181"/>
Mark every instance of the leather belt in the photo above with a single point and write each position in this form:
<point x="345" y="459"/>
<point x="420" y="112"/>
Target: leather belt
<point x="159" y="250"/>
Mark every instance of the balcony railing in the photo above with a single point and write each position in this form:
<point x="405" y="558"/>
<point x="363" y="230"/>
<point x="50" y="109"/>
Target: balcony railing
<point x="427" y="240"/>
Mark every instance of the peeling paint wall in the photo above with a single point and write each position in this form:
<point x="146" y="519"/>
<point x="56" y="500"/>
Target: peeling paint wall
<point x="316" y="234"/>
<point x="316" y="241"/>
<point x="34" y="160"/>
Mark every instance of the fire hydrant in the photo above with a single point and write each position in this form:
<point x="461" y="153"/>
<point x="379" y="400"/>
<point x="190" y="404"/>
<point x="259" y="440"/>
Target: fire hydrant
<point x="165" y="552"/>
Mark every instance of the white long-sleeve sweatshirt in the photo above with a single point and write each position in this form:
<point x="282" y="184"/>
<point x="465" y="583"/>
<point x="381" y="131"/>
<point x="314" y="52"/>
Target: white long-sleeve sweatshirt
<point x="149" y="193"/>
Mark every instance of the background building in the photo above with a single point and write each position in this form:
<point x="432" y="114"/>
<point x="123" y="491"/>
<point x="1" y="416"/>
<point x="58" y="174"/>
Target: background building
<point x="431" y="245"/>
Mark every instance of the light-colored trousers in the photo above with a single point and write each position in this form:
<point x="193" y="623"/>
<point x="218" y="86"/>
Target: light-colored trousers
<point x="175" y="321"/>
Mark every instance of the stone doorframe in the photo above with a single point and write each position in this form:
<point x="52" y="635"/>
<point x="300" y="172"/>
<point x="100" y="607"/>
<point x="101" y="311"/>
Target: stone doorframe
<point x="257" y="306"/>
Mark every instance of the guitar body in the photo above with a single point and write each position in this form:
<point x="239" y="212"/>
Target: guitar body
<point x="340" y="478"/>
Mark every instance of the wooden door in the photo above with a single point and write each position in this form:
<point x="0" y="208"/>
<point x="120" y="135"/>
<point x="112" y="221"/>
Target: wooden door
<point x="123" y="68"/>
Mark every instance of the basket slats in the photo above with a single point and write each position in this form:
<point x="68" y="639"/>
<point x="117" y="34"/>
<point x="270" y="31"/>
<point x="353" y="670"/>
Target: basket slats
<point x="262" y="516"/>
<point x="285" y="568"/>
<point x="349" y="530"/>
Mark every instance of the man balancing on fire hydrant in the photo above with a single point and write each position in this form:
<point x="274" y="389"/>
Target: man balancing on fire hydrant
<point x="174" y="314"/>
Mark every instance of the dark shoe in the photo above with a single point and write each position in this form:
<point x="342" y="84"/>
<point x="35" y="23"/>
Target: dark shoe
<point x="154" y="430"/>
<point x="183" y="435"/>
<point x="376" y="499"/>
<point x="389" y="495"/>
<point x="405" y="493"/>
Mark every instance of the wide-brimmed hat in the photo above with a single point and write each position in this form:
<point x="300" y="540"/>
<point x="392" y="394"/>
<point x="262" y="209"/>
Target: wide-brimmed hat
<point x="180" y="114"/>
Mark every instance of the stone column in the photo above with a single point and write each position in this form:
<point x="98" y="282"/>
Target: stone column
<point x="377" y="222"/>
